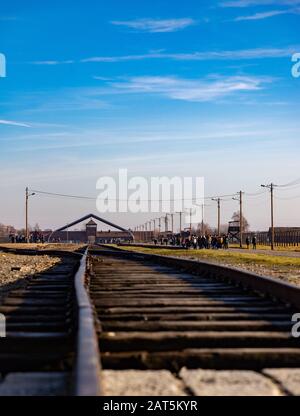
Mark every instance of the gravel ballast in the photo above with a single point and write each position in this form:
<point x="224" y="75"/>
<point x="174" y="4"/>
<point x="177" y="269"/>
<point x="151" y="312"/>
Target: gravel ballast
<point x="15" y="268"/>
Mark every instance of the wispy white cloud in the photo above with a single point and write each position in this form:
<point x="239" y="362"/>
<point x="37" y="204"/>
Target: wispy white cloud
<point x="8" y="18"/>
<point x="14" y="123"/>
<point x="239" y="54"/>
<point x="156" y="25"/>
<point x="266" y="15"/>
<point x="52" y="62"/>
<point x="95" y="138"/>
<point x="190" y="89"/>
<point x="260" y="16"/>
<point x="100" y="78"/>
<point x="248" y="3"/>
<point x="258" y="53"/>
<point x="77" y="99"/>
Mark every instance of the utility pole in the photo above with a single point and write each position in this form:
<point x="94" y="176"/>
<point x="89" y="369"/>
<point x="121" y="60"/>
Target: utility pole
<point x="166" y="223"/>
<point x="158" y="225"/>
<point x="180" y="221"/>
<point x="172" y="223"/>
<point x="272" y="217"/>
<point x="202" y="222"/>
<point x="190" y="222"/>
<point x="271" y="187"/>
<point x="241" y="219"/>
<point x="202" y="210"/>
<point x="26" y="214"/>
<point x="219" y="212"/>
<point x="240" y="199"/>
<point x="27" y="195"/>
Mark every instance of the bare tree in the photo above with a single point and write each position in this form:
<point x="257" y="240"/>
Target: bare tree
<point x="207" y="229"/>
<point x="36" y="227"/>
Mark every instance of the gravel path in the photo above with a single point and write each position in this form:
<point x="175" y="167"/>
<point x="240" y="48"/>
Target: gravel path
<point x="14" y="268"/>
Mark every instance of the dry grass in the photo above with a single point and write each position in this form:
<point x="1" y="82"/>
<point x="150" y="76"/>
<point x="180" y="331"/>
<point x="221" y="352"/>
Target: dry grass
<point x="277" y="248"/>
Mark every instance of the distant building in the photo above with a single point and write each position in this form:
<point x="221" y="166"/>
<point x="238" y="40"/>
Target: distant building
<point x="5" y="232"/>
<point x="90" y="234"/>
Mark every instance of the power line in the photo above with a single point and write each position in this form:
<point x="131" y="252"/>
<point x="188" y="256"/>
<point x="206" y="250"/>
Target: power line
<point x="287" y="198"/>
<point x="226" y="197"/>
<point x="61" y="195"/>
<point x="255" y="194"/>
<point x="290" y="188"/>
<point x="119" y="199"/>
<point x="294" y="182"/>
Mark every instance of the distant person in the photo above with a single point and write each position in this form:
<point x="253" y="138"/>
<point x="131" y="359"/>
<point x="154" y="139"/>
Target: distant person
<point x="225" y="242"/>
<point x="209" y="241"/>
<point x="187" y="243"/>
<point x="248" y="242"/>
<point x="199" y="241"/>
<point x="194" y="242"/>
<point x="254" y="242"/>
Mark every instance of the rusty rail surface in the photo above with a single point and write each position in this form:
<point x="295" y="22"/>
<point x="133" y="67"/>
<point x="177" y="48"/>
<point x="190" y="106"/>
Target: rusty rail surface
<point x="165" y="312"/>
<point x="51" y="346"/>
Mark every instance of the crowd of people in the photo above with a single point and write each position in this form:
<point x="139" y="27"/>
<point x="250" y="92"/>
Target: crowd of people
<point x="34" y="237"/>
<point x="17" y="238"/>
<point x="196" y="242"/>
<point x="201" y="241"/>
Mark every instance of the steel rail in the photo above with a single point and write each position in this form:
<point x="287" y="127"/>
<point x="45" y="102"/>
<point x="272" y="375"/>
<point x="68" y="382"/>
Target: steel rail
<point x="87" y="368"/>
<point x="85" y="376"/>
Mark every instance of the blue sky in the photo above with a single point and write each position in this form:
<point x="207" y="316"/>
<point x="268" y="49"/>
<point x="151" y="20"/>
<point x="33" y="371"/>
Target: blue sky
<point x="191" y="88"/>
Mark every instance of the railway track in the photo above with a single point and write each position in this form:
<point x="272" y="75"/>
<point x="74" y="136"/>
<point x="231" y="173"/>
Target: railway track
<point x="45" y="351"/>
<point x="144" y="311"/>
<point x="155" y="312"/>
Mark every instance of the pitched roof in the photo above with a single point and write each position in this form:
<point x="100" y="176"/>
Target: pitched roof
<point x="91" y="222"/>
